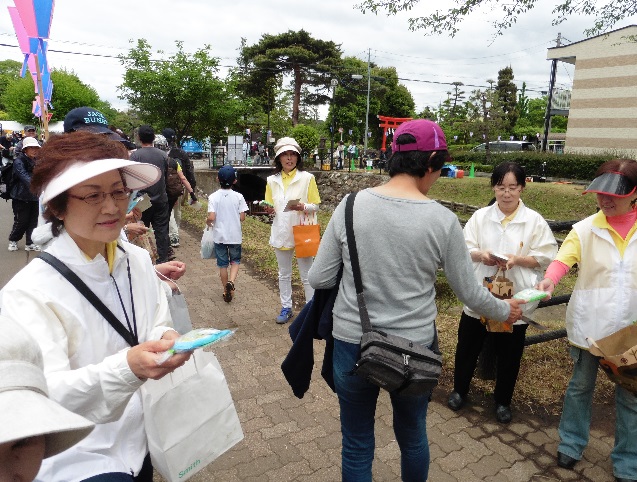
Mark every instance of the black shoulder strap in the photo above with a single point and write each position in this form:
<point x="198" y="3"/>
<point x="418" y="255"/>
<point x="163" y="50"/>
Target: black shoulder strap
<point x="353" y="255"/>
<point x="75" y="280"/>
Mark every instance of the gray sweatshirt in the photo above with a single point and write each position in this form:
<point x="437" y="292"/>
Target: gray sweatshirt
<point x="401" y="244"/>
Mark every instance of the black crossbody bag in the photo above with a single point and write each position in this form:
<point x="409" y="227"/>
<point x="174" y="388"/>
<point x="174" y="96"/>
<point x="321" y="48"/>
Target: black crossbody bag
<point x="391" y="362"/>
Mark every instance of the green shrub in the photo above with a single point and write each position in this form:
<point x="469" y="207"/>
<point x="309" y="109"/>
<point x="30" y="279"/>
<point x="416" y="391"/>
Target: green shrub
<point x="307" y="137"/>
<point x="564" y="166"/>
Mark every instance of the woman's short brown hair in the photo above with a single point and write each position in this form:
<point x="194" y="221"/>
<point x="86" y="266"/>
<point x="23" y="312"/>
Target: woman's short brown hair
<point x="58" y="153"/>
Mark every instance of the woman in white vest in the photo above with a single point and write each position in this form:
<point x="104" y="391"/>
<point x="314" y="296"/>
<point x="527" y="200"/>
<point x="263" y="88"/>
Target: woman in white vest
<point x="290" y="182"/>
<point x="604" y="300"/>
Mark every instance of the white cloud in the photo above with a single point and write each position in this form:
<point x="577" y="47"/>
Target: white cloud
<point x="472" y="57"/>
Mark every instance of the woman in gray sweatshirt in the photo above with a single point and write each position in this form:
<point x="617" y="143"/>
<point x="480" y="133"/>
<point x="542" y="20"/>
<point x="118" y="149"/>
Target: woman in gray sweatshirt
<point x="403" y="238"/>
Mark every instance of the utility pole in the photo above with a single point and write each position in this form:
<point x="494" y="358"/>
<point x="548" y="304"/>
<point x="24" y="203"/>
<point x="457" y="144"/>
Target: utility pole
<point x="369" y="80"/>
<point x="333" y="83"/>
<point x="547" y="115"/>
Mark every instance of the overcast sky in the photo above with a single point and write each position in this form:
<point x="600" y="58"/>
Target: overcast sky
<point x="102" y="30"/>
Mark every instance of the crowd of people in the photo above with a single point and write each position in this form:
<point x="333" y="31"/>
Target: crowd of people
<point x="82" y="184"/>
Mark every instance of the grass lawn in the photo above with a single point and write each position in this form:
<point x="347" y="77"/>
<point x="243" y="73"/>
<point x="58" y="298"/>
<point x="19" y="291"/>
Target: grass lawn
<point x="546" y="367"/>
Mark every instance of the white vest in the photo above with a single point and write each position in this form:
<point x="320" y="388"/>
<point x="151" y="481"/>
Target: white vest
<point x="281" y="235"/>
<point x="604" y="299"/>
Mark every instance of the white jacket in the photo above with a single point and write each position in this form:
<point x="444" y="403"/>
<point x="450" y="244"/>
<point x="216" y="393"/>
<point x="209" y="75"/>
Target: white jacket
<point x="84" y="358"/>
<point x="604" y="299"/>
<point x="281" y="235"/>
<point x="484" y="231"/>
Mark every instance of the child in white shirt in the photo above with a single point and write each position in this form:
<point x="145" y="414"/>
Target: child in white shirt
<point x="226" y="211"/>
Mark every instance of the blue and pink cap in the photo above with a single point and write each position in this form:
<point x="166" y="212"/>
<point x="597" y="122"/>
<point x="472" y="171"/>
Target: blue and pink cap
<point x="428" y="134"/>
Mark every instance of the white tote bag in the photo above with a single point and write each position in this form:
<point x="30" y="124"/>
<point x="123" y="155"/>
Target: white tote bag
<point x="190" y="418"/>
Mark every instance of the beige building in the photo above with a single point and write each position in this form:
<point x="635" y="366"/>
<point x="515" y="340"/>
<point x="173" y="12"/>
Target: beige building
<point x="603" y="108"/>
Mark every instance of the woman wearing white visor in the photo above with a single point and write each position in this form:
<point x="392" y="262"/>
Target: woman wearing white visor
<point x="604" y="300"/>
<point x="91" y="368"/>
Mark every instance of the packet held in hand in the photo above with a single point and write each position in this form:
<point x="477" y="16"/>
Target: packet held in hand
<point x="194" y="339"/>
<point x="530" y="294"/>
<point x="499" y="257"/>
<point x="291" y="203"/>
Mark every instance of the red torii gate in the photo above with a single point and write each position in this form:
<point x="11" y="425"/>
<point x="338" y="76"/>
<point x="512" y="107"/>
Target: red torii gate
<point x="389" y="123"/>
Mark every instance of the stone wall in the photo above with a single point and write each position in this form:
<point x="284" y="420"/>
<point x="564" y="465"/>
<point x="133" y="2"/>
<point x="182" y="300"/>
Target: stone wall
<point x="332" y="185"/>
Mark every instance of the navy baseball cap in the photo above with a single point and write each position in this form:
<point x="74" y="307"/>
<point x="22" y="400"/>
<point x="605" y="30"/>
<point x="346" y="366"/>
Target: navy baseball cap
<point x="227" y="175"/>
<point x="86" y="119"/>
<point x="92" y="120"/>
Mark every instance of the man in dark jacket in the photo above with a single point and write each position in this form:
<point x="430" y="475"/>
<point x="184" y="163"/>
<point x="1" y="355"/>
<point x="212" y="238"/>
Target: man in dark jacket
<point x="24" y="202"/>
<point x="158" y="214"/>
<point x="175" y="152"/>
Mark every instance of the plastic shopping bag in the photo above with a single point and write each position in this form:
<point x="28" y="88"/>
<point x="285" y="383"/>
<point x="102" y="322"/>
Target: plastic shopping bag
<point x="207" y="244"/>
<point x="190" y="418"/>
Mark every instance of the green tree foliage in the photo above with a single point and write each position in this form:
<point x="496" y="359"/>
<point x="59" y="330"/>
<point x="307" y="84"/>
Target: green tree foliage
<point x="9" y="73"/>
<point x="386" y="97"/>
<point x="310" y="62"/>
<point x="485" y="117"/>
<point x="182" y="92"/>
<point x="307" y="137"/>
<point x="523" y="102"/>
<point x="606" y="12"/>
<point x="507" y="96"/>
<point x="427" y="113"/>
<point x="69" y="92"/>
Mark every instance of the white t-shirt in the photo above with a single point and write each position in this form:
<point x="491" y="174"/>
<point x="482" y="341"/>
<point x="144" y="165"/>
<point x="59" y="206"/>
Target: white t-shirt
<point x="227" y="206"/>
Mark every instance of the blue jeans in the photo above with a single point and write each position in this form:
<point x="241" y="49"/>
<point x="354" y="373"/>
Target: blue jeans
<point x="357" y="398"/>
<point x="576" y="417"/>
<point x="227" y="254"/>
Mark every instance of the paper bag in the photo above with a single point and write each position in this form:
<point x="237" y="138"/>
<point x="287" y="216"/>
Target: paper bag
<point x="306" y="239"/>
<point x="190" y="418"/>
<point x="500" y="287"/>
<point x="147" y="241"/>
<point x="618" y="356"/>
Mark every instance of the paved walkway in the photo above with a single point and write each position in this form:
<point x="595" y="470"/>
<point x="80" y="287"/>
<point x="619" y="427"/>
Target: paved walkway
<point x="290" y="439"/>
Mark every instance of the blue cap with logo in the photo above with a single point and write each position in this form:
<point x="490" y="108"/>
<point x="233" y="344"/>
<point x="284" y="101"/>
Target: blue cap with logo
<point x="92" y="120"/>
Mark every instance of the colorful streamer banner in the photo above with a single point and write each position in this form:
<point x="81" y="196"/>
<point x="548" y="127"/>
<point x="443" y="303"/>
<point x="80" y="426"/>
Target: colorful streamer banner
<point x="32" y="24"/>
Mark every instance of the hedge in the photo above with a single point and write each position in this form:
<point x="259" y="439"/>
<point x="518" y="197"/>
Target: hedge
<point x="563" y="166"/>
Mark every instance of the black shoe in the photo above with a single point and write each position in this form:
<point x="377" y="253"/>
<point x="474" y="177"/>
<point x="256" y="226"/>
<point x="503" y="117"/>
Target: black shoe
<point x="566" y="461"/>
<point x="455" y="401"/>
<point x="503" y="413"/>
<point x="622" y="479"/>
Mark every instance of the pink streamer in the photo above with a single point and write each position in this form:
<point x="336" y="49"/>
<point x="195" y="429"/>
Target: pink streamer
<point x="27" y="15"/>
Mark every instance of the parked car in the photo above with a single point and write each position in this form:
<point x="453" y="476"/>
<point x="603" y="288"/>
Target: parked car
<point x="506" y="146"/>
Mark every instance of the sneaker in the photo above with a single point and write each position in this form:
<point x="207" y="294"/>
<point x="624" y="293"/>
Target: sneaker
<point x="13" y="246"/>
<point x="32" y="247"/>
<point x="284" y="316"/>
<point x="174" y="242"/>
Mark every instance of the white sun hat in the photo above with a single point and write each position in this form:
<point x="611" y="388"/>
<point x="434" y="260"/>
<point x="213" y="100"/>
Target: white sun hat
<point x="137" y="175"/>
<point x="286" y="144"/>
<point x="25" y="408"/>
